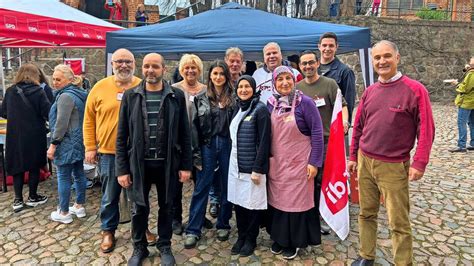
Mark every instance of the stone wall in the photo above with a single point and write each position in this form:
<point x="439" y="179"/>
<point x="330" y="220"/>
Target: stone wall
<point x="431" y="51"/>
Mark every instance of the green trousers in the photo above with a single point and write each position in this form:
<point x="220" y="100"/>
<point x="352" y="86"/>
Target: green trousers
<point x="389" y="180"/>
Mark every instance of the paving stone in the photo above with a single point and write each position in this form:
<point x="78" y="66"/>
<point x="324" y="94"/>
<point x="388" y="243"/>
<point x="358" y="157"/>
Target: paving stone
<point x="321" y="260"/>
<point x="10" y="246"/>
<point x="442" y="208"/>
<point x="116" y="259"/>
<point x="19" y="257"/>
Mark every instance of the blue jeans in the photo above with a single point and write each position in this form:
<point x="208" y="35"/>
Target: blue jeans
<point x="333" y="9"/>
<point x="217" y="151"/>
<point x="109" y="205"/>
<point x="465" y="117"/>
<point x="65" y="174"/>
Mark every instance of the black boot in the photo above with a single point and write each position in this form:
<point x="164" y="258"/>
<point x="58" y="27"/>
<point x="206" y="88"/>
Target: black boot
<point x="140" y="252"/>
<point x="237" y="247"/>
<point x="248" y="248"/>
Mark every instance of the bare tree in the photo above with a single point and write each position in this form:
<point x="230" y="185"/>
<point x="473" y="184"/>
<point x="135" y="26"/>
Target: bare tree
<point x="346" y="8"/>
<point x="262" y="5"/>
<point x="322" y="9"/>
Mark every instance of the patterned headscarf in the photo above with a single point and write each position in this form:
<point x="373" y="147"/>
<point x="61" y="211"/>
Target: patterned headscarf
<point x="278" y="71"/>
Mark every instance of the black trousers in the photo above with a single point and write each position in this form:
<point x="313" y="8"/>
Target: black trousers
<point x="154" y="174"/>
<point x="178" y="200"/>
<point x="319" y="176"/>
<point x="33" y="181"/>
<point x="248" y="223"/>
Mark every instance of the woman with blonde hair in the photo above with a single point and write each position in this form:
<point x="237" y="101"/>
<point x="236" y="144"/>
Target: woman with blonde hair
<point x="190" y="67"/>
<point x="67" y="148"/>
<point x="141" y="16"/>
<point x="26" y="107"/>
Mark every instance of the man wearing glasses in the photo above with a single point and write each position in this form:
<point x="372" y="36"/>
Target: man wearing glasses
<point x="100" y="133"/>
<point x="323" y="91"/>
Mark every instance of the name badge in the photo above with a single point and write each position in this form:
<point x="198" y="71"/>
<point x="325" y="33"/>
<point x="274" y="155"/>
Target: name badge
<point x="191" y="98"/>
<point x="119" y="96"/>
<point x="289" y="118"/>
<point x="248" y="118"/>
<point x="319" y="101"/>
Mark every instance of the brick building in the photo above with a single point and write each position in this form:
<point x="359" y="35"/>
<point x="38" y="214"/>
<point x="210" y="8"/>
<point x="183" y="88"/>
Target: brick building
<point x="129" y="7"/>
<point x="456" y="10"/>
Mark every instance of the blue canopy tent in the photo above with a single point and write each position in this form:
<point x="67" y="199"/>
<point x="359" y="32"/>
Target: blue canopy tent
<point x="210" y="33"/>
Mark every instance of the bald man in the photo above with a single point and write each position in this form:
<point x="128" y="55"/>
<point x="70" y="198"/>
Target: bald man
<point x="100" y="131"/>
<point x="392" y="114"/>
<point x="153" y="147"/>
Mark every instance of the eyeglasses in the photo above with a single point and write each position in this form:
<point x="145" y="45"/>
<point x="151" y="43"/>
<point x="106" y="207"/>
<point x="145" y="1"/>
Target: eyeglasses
<point x="123" y="61"/>
<point x="304" y="63"/>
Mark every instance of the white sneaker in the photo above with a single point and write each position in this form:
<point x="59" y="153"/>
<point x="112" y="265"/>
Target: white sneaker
<point x="79" y="212"/>
<point x="58" y="217"/>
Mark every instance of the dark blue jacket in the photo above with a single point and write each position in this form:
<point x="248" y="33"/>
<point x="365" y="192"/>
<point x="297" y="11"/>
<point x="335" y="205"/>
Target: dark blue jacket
<point x="345" y="79"/>
<point x="254" y="138"/>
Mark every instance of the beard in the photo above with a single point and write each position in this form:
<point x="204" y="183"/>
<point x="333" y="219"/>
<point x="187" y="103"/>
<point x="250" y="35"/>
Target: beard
<point x="123" y="74"/>
<point x="153" y="79"/>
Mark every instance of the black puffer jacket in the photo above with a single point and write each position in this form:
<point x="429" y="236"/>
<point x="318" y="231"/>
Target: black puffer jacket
<point x="254" y="138"/>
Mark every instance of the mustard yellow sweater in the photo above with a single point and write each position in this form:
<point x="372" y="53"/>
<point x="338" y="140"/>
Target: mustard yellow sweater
<point x="101" y="115"/>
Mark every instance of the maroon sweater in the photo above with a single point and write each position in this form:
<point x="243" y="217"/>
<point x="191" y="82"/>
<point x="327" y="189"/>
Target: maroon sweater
<point x="389" y="118"/>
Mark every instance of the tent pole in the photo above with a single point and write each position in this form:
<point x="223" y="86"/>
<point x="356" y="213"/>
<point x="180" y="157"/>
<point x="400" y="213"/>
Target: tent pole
<point x="3" y="72"/>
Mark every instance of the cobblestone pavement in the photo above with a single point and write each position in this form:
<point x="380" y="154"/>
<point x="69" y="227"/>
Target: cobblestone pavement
<point x="442" y="216"/>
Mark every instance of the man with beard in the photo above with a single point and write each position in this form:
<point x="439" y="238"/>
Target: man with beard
<point x="263" y="76"/>
<point x="323" y="91"/>
<point x="153" y="146"/>
<point x="100" y="133"/>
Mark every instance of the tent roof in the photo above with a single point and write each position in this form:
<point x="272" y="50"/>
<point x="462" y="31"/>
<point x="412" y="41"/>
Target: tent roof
<point x="210" y="33"/>
<point x="49" y="23"/>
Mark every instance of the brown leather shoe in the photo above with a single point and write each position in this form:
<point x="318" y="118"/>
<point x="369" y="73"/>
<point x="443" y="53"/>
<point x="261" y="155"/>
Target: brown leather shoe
<point x="108" y="241"/>
<point x="150" y="238"/>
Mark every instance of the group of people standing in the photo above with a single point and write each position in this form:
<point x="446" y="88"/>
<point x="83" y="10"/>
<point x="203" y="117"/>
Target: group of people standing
<point x="259" y="139"/>
<point x="28" y="105"/>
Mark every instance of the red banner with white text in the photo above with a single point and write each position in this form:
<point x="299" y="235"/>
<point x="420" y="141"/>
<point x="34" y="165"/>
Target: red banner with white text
<point x="334" y="200"/>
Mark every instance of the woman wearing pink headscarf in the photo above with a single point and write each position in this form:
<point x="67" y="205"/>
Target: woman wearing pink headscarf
<point x="296" y="153"/>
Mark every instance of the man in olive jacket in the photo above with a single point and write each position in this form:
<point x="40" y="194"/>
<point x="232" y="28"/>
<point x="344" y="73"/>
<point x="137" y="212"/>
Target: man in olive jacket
<point x="153" y="146"/>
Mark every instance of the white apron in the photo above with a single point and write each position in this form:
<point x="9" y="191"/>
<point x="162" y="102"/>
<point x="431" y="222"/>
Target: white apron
<point x="240" y="188"/>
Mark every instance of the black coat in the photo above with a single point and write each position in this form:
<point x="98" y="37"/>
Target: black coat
<point x="133" y="139"/>
<point x="26" y="128"/>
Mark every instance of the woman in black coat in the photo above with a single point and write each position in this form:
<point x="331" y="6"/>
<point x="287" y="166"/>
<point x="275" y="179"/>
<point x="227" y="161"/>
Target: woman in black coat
<point x="26" y="108"/>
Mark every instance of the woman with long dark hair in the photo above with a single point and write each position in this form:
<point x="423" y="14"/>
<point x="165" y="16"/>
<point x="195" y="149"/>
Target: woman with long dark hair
<point x="26" y="107"/>
<point x="214" y="111"/>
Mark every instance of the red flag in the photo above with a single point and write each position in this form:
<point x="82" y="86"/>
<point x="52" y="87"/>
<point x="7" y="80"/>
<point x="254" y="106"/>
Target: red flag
<point x="77" y="65"/>
<point x="334" y="200"/>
